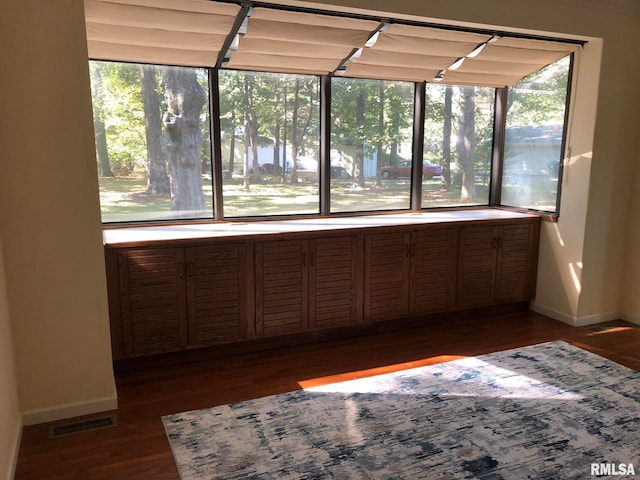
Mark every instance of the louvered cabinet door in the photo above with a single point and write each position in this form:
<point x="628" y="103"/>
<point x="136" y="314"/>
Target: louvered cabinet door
<point x="386" y="276"/>
<point x="281" y="287"/>
<point x="217" y="293"/>
<point x="333" y="281"/>
<point x="477" y="254"/>
<point x="517" y="259"/>
<point x="153" y="300"/>
<point x="433" y="270"/>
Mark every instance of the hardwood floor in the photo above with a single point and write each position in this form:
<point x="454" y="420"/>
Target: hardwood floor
<point x="137" y="447"/>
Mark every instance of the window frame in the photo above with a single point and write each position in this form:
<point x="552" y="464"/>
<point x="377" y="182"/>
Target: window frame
<point x="417" y="148"/>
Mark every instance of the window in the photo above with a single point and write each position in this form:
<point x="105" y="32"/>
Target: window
<point x="219" y="110"/>
<point x="371" y="123"/>
<point x="458" y="131"/>
<point x="535" y="119"/>
<point x="269" y="139"/>
<point x="152" y="142"/>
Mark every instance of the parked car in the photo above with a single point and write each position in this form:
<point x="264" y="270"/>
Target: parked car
<point x="403" y="169"/>
<point x="339" y="172"/>
<point x="306" y="169"/>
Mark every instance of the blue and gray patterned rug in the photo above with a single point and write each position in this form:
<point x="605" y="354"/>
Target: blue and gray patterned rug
<point x="545" y="411"/>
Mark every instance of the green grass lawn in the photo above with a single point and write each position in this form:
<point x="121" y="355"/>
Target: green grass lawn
<point x="124" y="199"/>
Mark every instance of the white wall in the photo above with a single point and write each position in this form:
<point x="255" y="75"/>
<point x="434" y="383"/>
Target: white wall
<point x="631" y="279"/>
<point x="49" y="213"/>
<point x="10" y="414"/>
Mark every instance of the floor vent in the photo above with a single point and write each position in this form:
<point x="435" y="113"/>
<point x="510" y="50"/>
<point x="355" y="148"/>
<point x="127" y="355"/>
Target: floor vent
<point x="65" y="429"/>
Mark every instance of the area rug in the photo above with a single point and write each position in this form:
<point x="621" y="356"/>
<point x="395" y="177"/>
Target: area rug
<point x="543" y="411"/>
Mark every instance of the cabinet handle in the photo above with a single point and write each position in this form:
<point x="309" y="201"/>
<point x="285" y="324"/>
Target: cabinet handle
<point x="499" y="242"/>
<point x="494" y="242"/>
<point x="413" y="250"/>
<point x="311" y="259"/>
<point x="191" y="269"/>
<point x="304" y="259"/>
<point x="181" y="270"/>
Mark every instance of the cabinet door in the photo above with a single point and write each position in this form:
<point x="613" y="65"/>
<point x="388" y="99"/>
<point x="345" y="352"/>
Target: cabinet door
<point x="386" y="281"/>
<point x="477" y="255"/>
<point x="153" y="300"/>
<point x="433" y="270"/>
<point x="217" y="293"/>
<point x="281" y="287"/>
<point x="517" y="259"/>
<point x="333" y="281"/>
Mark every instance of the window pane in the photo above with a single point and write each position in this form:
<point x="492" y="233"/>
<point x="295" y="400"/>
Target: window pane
<point x="270" y="142"/>
<point x="371" y="123"/>
<point x="533" y="138"/>
<point x="152" y="141"/>
<point x="458" y="132"/>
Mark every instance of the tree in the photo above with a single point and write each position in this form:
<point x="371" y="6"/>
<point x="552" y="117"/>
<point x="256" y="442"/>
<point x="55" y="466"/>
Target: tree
<point x="102" y="151"/>
<point x="300" y="122"/>
<point x="184" y="98"/>
<point x="446" y="139"/>
<point x="157" y="177"/>
<point x="251" y="127"/>
<point x="466" y="143"/>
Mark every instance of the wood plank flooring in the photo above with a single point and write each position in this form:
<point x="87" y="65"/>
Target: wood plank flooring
<point x="138" y="449"/>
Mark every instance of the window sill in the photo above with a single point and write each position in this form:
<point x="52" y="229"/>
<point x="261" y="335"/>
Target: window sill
<point x="133" y="236"/>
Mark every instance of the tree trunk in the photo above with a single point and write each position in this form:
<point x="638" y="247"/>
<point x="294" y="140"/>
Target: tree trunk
<point x="294" y="134"/>
<point x="245" y="164"/>
<point x="185" y="99"/>
<point x="446" y="135"/>
<point x="284" y="136"/>
<point x="232" y="143"/>
<point x="252" y="123"/>
<point x="358" y="179"/>
<point x="102" y="151"/>
<point x="276" y="135"/>
<point x="466" y="145"/>
<point x="380" y="152"/>
<point x="157" y="177"/>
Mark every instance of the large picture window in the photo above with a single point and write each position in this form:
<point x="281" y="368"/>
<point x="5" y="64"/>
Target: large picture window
<point x="152" y="141"/>
<point x="241" y="111"/>
<point x="458" y="131"/>
<point x="535" y="119"/>
<point x="370" y="145"/>
<point x="269" y="140"/>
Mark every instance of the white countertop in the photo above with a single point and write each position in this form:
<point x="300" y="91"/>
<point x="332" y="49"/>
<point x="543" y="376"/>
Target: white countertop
<point x="140" y="234"/>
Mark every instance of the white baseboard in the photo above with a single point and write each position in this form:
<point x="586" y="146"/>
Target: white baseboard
<point x="550" y="312"/>
<point x="574" y="320"/>
<point x="14" y="455"/>
<point x="69" y="411"/>
<point x="631" y="317"/>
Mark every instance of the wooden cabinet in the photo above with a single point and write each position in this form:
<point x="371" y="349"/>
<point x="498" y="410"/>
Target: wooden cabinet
<point x="218" y="293"/>
<point x="168" y="295"/>
<point x="153" y="300"/>
<point x="409" y="272"/>
<point x="433" y="270"/>
<point x="174" y="298"/>
<point x="305" y="284"/>
<point x="497" y="263"/>
<point x="334" y="281"/>
<point x="281" y="287"/>
<point x="386" y="275"/>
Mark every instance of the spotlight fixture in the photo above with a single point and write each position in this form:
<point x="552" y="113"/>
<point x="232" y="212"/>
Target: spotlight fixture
<point x="457" y="64"/>
<point x="439" y="76"/>
<point x="476" y="51"/>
